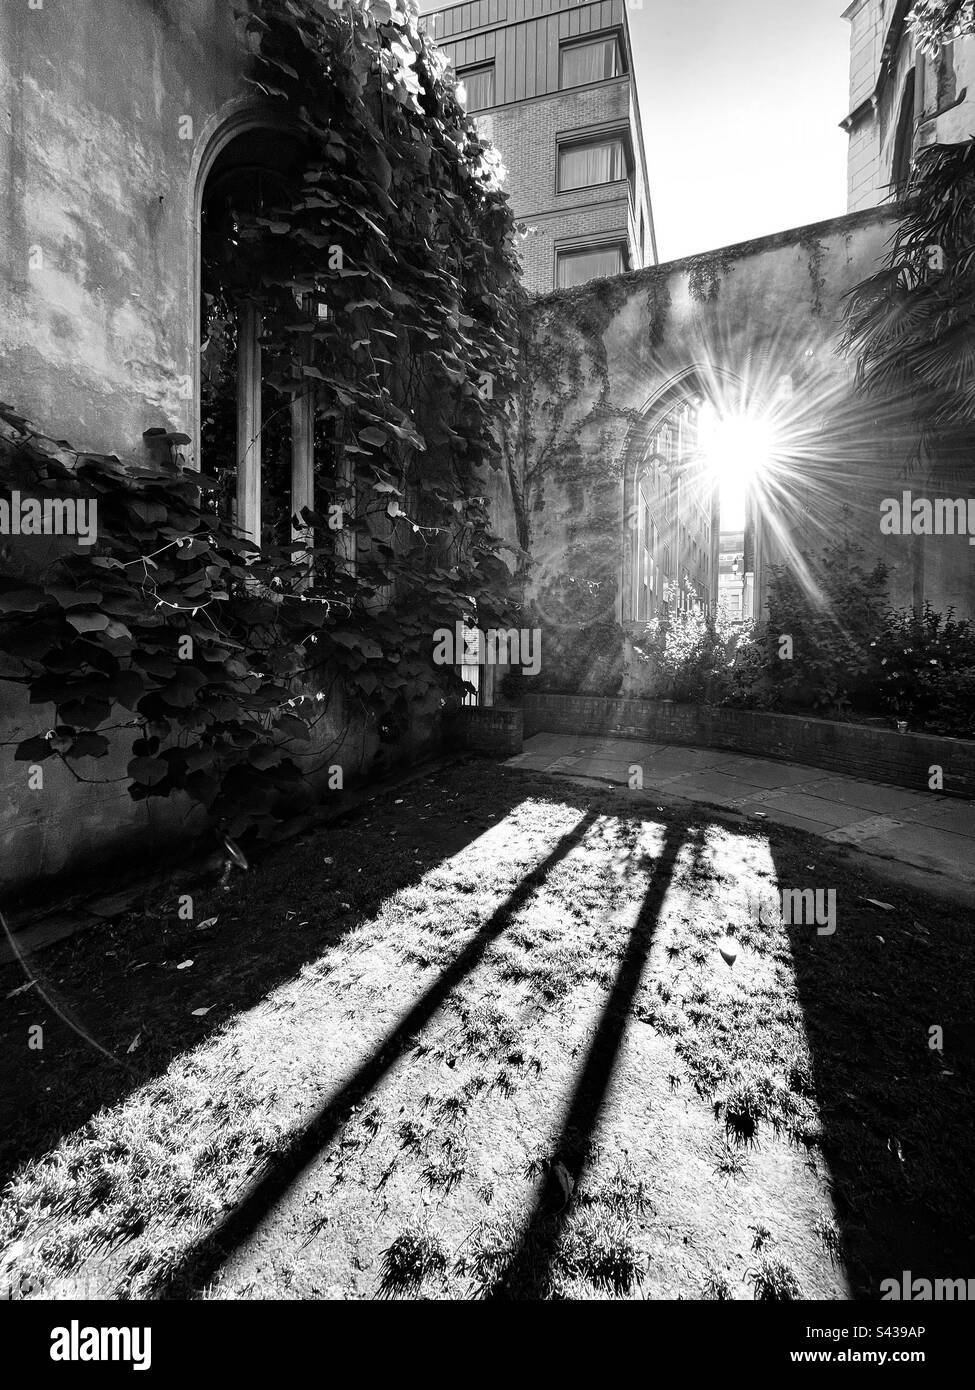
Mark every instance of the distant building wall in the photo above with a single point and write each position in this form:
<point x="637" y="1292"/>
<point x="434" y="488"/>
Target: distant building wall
<point x="900" y="100"/>
<point x="531" y="113"/>
<point x="734" y="325"/>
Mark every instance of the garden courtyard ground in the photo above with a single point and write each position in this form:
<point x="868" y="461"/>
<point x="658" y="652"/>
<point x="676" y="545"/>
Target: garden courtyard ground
<point x="500" y="1034"/>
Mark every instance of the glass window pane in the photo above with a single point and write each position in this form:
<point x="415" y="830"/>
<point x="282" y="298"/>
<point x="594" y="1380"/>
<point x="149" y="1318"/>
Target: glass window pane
<point x="479" y="85"/>
<point x="580" y="166"/>
<point x="589" y="62"/>
<point x="576" y="267"/>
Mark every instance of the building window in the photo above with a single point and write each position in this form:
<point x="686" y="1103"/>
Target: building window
<point x="646" y="551"/>
<point x="584" y="263"/>
<point x="593" y="60"/>
<point x="585" y="163"/>
<point x="478" y="87"/>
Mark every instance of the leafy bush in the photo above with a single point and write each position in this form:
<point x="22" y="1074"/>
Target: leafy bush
<point x="686" y="656"/>
<point x="925" y="671"/>
<point x="853" y="655"/>
<point x="583" y="660"/>
<point x="831" y="622"/>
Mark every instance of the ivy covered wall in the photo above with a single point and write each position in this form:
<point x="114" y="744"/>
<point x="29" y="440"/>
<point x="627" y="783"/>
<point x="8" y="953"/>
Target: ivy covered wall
<point x="759" y="322"/>
<point x="169" y="664"/>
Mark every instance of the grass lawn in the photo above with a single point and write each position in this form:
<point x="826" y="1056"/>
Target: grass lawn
<point x="480" y="1040"/>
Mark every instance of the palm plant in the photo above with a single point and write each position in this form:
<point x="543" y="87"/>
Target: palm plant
<point x="912" y="324"/>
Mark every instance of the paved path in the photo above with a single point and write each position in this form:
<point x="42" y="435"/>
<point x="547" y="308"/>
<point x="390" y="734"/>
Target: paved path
<point x="916" y="828"/>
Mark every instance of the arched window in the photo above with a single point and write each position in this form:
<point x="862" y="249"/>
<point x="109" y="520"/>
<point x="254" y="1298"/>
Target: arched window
<point x="258" y="429"/>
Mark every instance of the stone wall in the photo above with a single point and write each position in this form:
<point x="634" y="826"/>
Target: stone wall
<point x="739" y="325"/>
<point x="480" y="730"/>
<point x="100" y="152"/>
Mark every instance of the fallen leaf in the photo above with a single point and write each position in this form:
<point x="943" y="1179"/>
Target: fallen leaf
<point x="887" y="907"/>
<point x="134" y="1043"/>
<point x="237" y="855"/>
<point x="198" y="1013"/>
<point x="728" y="951"/>
<point x="566" y="1181"/>
<point x="22" y="989"/>
<point x="207" y="922"/>
<point x="184" y="965"/>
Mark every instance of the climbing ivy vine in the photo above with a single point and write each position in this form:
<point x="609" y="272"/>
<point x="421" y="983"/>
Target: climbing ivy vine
<point x="223" y="660"/>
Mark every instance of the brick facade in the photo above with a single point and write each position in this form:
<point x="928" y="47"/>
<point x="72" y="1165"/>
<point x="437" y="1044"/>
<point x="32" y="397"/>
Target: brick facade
<point x="521" y="40"/>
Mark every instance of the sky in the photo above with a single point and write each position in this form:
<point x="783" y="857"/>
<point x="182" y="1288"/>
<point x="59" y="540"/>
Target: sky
<point x="741" y="102"/>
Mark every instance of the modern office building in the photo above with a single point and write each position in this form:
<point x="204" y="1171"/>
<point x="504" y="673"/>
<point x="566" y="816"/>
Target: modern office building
<point x="900" y="99"/>
<point x="551" y="83"/>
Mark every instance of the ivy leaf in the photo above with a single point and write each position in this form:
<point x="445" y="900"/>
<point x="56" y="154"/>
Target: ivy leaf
<point x="22" y="600"/>
<point x="147" y="771"/>
<point x="88" y="622"/>
<point x="74" y="598"/>
<point x="85" y="714"/>
<point x="89" y="745"/>
<point x="182" y="689"/>
<point x="33" y="750"/>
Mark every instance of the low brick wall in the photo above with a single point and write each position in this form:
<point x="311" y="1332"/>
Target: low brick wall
<point x="859" y="750"/>
<point x="485" y="730"/>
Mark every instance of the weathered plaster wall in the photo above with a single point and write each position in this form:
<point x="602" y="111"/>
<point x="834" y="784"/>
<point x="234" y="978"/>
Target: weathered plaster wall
<point x="97" y="237"/>
<point x="98" y="305"/>
<point x="744" y="318"/>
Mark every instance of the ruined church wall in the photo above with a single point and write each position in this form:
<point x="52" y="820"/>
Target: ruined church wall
<point x="748" y="318"/>
<point x="98" y="164"/>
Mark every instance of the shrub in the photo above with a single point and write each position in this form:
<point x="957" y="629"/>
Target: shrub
<point x="686" y="656"/>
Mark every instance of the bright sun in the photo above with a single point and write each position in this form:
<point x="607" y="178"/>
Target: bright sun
<point x="737" y="449"/>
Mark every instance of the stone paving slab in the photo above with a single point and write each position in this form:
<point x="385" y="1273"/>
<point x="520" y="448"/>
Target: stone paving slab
<point x="679" y="760"/>
<point x="765" y="772"/>
<point x="869" y="796"/>
<point x="863" y="830"/>
<point x="907" y="829"/>
<point x="958" y="818"/>
<point x="611" y="747"/>
<point x="717" y="786"/>
<point x="931" y="848"/>
<point x="612" y="769"/>
<point x="814" y="808"/>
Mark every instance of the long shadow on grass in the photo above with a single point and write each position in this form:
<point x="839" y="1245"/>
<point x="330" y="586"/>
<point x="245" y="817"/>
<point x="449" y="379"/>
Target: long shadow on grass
<point x="527" y="1273"/>
<point x="201" y="1262"/>
<point x="895" y="1115"/>
<point x="124" y="985"/>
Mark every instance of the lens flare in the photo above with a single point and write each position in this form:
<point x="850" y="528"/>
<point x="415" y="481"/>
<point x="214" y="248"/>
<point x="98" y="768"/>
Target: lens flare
<point x="737" y="449"/>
